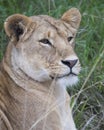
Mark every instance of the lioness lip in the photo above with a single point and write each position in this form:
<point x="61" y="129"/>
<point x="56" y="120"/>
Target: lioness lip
<point x="69" y="74"/>
<point x="62" y="76"/>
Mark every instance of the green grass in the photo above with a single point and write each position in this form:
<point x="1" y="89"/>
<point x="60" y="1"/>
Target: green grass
<point x="88" y="95"/>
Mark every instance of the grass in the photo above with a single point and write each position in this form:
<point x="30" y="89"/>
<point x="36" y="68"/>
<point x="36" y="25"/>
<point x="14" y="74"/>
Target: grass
<point x="88" y="95"/>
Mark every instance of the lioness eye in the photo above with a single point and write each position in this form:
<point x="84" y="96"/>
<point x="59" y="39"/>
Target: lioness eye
<point x="45" y="41"/>
<point x="70" y="38"/>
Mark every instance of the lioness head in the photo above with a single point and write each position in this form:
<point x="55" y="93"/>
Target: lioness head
<point x="43" y="47"/>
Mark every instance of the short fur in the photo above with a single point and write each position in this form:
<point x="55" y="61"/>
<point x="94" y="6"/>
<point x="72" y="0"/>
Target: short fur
<point x="35" y="71"/>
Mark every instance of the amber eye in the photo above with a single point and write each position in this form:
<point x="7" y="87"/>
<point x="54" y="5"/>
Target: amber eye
<point x="45" y="41"/>
<point x="69" y="38"/>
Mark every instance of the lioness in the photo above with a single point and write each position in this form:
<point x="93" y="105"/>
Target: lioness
<point x="38" y="65"/>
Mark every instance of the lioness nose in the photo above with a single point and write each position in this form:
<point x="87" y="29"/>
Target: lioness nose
<point x="69" y="63"/>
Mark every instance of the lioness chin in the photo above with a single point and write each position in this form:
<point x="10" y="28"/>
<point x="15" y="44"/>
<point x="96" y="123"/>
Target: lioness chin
<point x="38" y="64"/>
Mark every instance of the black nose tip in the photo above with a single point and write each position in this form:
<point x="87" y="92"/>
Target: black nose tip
<point x="69" y="63"/>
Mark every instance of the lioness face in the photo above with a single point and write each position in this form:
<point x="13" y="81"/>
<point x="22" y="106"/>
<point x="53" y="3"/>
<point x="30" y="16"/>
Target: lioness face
<point x="44" y="47"/>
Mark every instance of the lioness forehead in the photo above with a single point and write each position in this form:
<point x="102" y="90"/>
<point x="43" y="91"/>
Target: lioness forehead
<point x="49" y="23"/>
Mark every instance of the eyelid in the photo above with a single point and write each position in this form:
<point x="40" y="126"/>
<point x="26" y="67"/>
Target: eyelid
<point x="45" y="41"/>
<point x="70" y="38"/>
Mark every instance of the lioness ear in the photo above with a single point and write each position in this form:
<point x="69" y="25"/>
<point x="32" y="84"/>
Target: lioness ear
<point x="73" y="17"/>
<point x="16" y="25"/>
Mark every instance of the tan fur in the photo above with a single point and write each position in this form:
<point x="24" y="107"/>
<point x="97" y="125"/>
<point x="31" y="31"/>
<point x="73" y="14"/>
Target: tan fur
<point x="33" y="77"/>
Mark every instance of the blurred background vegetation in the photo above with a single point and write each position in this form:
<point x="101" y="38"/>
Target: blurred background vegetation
<point x="88" y="95"/>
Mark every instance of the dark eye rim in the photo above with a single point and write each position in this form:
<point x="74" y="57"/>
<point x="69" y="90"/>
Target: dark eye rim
<point x="45" y="41"/>
<point x="70" y="38"/>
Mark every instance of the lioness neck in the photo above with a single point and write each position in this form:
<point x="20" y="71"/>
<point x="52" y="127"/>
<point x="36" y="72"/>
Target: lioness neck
<point x="28" y="84"/>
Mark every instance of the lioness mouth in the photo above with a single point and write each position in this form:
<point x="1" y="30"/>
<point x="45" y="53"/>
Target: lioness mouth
<point x="62" y="76"/>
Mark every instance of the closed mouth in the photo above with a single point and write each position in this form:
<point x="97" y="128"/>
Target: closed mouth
<point x="66" y="75"/>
